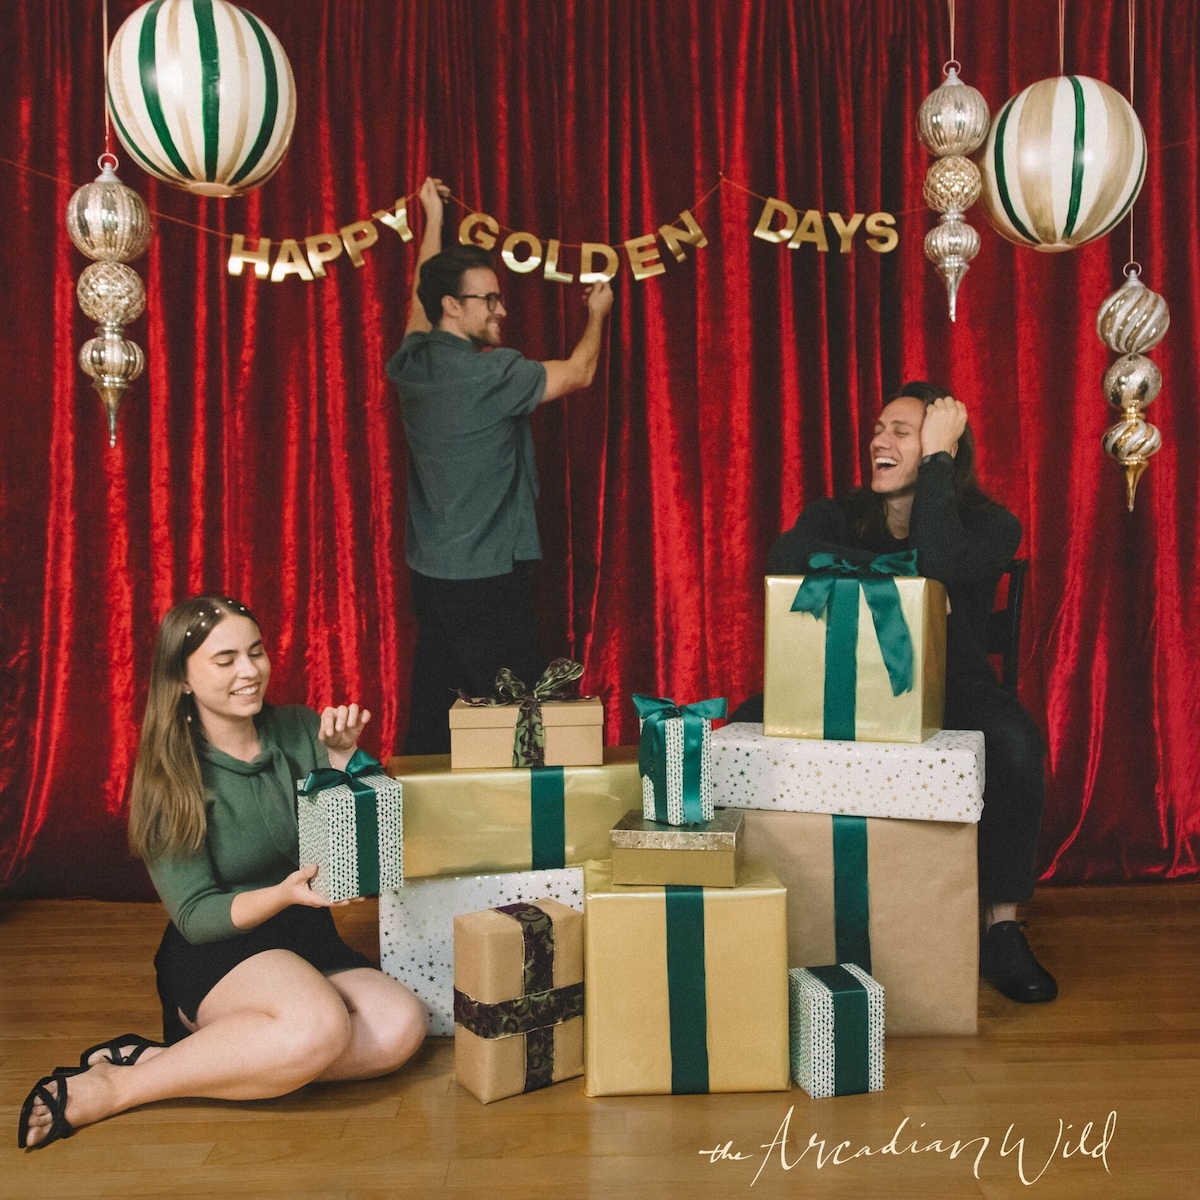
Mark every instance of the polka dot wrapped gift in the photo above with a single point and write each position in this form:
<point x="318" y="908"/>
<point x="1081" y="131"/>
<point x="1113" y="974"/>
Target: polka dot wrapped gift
<point x="836" y="1018"/>
<point x="351" y="827"/>
<point x="674" y="759"/>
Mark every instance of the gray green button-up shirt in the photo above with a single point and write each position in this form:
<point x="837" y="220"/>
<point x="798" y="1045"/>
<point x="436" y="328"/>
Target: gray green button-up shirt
<point x="472" y="478"/>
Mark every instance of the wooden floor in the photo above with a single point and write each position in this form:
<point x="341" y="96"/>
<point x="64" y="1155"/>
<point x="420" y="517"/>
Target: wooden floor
<point x="1119" y="1049"/>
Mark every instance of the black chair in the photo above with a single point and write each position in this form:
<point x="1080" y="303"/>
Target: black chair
<point x="1004" y="625"/>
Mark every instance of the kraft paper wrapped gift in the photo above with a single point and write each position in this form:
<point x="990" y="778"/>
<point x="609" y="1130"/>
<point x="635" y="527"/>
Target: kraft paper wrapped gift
<point x="518" y="998"/>
<point x="898" y="898"/>
<point x="867" y="664"/>
<point x="940" y="779"/>
<point x="686" y="987"/>
<point x="416" y="926"/>
<point x="350" y="825"/>
<point x="704" y="855"/>
<point x="837" y="1030"/>
<point x="484" y="735"/>
<point x="513" y="819"/>
<point x="673" y="758"/>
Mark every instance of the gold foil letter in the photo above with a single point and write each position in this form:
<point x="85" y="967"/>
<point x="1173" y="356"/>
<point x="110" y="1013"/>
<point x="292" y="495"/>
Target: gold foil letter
<point x="239" y="256"/>
<point x="587" y="254"/>
<point x="883" y="226"/>
<point x="844" y="231"/>
<point x="643" y="256"/>
<point x="790" y="220"/>
<point x="397" y="220"/>
<point x="469" y="235"/>
<point x="812" y="229"/>
<point x="290" y="261"/>
<point x="522" y="266"/>
<point x="321" y="248"/>
<point x="675" y="237"/>
<point x="552" y="273"/>
<point x="357" y="237"/>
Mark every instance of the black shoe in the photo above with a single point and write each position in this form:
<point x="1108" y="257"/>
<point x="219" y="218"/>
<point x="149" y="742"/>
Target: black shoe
<point x="1007" y="963"/>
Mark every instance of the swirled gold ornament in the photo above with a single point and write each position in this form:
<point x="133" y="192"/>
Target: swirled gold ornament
<point x="113" y="362"/>
<point x="951" y="245"/>
<point x="1132" y="382"/>
<point x="953" y="119"/>
<point x="1134" y="318"/>
<point x="1131" y="441"/>
<point x="111" y="293"/>
<point x="108" y="221"/>
<point x="952" y="184"/>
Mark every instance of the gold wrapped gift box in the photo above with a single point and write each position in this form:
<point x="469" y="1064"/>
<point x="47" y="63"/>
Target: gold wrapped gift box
<point x="794" y="676"/>
<point x="924" y="909"/>
<point x="687" y="988"/>
<point x="704" y="855"/>
<point x="481" y="735"/>
<point x="490" y="967"/>
<point x="516" y="819"/>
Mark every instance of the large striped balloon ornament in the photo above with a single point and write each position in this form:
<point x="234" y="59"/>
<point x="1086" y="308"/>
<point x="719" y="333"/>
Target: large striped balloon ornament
<point x="201" y="94"/>
<point x="1063" y="163"/>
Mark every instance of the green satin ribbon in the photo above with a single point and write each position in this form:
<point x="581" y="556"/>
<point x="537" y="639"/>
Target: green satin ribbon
<point x="851" y="892"/>
<point x="547" y="818"/>
<point x="687" y="994"/>
<point x="559" y="681"/>
<point x="830" y="591"/>
<point x="366" y="811"/>
<point x="851" y="1030"/>
<point x="655" y="712"/>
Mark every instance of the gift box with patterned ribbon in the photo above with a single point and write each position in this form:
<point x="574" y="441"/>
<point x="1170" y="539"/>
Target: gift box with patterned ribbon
<point x="836" y="1030"/>
<point x="673" y="757"/>
<point x="351" y="826"/>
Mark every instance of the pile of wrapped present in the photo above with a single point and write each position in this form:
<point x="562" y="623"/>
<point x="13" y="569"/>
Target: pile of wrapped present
<point x="710" y="910"/>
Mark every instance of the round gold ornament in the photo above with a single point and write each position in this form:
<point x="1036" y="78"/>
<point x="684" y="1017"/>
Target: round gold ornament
<point x="952" y="119"/>
<point x="1132" y="382"/>
<point x="952" y="184"/>
<point x="111" y="293"/>
<point x="108" y="221"/>
<point x="1134" y="318"/>
<point x="951" y="245"/>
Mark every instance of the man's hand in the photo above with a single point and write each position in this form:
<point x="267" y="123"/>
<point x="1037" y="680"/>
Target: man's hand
<point x="433" y="195"/>
<point x="599" y="299"/>
<point x="945" y="420"/>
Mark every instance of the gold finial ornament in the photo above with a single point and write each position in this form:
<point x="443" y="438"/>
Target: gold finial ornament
<point x="951" y="245"/>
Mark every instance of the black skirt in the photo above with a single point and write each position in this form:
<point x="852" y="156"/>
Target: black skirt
<point x="187" y="972"/>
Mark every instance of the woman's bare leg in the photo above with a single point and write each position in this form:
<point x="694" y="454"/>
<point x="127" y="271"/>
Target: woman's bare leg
<point x="387" y="1025"/>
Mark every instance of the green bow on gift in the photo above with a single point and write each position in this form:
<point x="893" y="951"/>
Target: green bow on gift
<point x="559" y="681"/>
<point x="366" y="812"/>
<point x="655" y="712"/>
<point x="831" y="592"/>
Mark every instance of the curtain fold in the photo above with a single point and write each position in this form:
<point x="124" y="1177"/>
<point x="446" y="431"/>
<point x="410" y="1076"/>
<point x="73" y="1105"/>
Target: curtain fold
<point x="261" y="453"/>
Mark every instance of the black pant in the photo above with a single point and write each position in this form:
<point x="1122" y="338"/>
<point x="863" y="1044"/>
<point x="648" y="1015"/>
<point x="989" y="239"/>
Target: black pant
<point x="1014" y="791"/>
<point x="467" y="629"/>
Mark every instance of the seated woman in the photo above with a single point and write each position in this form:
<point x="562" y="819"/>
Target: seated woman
<point x="260" y="995"/>
<point x="924" y="495"/>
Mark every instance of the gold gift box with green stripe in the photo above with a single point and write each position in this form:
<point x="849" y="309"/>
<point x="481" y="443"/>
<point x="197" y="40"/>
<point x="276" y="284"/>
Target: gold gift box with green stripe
<point x="687" y="987"/>
<point x="473" y="822"/>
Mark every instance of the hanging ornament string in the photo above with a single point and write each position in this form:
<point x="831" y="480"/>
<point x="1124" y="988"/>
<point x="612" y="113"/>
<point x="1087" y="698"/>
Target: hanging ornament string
<point x="950" y="6"/>
<point x="1132" y="38"/>
<point x="108" y="139"/>
<point x="1062" y="35"/>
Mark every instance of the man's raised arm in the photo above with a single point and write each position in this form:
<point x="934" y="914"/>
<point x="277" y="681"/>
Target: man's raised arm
<point x="565" y="375"/>
<point x="432" y="196"/>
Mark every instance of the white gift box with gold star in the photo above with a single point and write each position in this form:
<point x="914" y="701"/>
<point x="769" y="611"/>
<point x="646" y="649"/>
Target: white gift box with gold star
<point x="939" y="779"/>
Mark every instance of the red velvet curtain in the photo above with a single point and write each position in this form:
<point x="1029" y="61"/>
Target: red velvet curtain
<point x="262" y="453"/>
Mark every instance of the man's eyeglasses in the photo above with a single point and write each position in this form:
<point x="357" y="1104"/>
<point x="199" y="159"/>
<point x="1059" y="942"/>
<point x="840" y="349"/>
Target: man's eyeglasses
<point x="493" y="300"/>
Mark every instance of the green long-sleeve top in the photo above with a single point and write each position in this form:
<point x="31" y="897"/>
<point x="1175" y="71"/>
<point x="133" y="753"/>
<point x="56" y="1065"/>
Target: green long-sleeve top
<point x="252" y="839"/>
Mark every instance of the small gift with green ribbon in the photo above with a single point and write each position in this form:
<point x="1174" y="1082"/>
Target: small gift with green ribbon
<point x="674" y="759"/>
<point x="518" y="998"/>
<point x="351" y="826"/>
<point x="546" y="725"/>
<point x="855" y="651"/>
<point x="836" y="1017"/>
<point x="686" y="986"/>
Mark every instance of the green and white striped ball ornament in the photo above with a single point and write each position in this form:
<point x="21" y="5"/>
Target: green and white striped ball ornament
<point x="201" y="94"/>
<point x="1063" y="163"/>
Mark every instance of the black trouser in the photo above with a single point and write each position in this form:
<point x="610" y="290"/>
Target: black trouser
<point x="1014" y="791"/>
<point x="467" y="629"/>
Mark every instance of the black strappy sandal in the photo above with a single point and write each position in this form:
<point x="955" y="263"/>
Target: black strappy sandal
<point x="123" y="1051"/>
<point x="60" y="1127"/>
